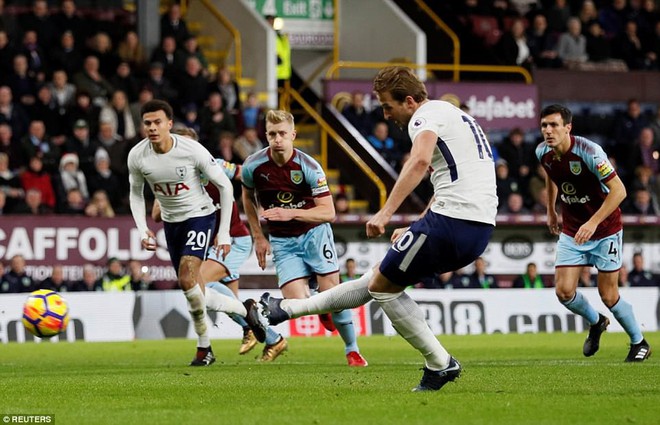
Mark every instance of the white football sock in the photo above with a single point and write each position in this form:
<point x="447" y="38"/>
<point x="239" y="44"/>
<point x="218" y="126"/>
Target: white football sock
<point x="408" y="320"/>
<point x="344" y="296"/>
<point x="197" y="309"/>
<point x="216" y="301"/>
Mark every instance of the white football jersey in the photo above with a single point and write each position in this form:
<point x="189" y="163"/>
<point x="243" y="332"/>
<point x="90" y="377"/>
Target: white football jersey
<point x="462" y="167"/>
<point x="174" y="179"/>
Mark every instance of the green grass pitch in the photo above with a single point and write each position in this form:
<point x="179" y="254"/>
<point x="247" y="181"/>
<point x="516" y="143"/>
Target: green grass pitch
<point x="507" y="379"/>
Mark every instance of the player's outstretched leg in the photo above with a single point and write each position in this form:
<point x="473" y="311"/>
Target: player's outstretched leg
<point x="234" y="309"/>
<point x="269" y="308"/>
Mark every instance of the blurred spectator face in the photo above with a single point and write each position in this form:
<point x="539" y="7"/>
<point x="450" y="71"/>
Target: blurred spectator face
<point x="516" y="136"/>
<point x="634" y="108"/>
<point x="5" y="96"/>
<point x="67" y="41"/>
<point x="515" y="202"/>
<point x="3" y="202"/>
<point x="57" y="275"/>
<point x="75" y="199"/>
<point x="193" y="67"/>
<point x="4" y="40"/>
<point x="44" y="95"/>
<point x="358" y="100"/>
<point x="156" y="72"/>
<point x="350" y="267"/>
<point x="81" y="133"/>
<point x="638" y="262"/>
<point x="642" y="198"/>
<point x="531" y="270"/>
<point x="123" y="70"/>
<point x="91" y="64"/>
<point x="68" y="7"/>
<point x="33" y="198"/>
<point x="37" y="129"/>
<point x="646" y="137"/>
<point x="518" y="29"/>
<point x="100" y="198"/>
<point x="115" y="267"/>
<point x="83" y="100"/>
<point x="250" y="135"/>
<point x="631" y="29"/>
<point x="175" y="12"/>
<point x="226" y="140"/>
<point x="119" y="101"/>
<point x="17" y="264"/>
<point x="132" y="39"/>
<point x="480" y="265"/>
<point x="5" y="134"/>
<point x="341" y="205"/>
<point x="169" y="45"/>
<point x="36" y="165"/>
<point x="40" y="8"/>
<point x="30" y="39"/>
<point x="574" y="26"/>
<point x="502" y="171"/>
<point x="191" y="46"/>
<point x="20" y="65"/>
<point x="145" y="96"/>
<point x="102" y="42"/>
<point x="4" y="164"/>
<point x="89" y="275"/>
<point x="381" y="131"/>
<point x="106" y="132"/>
<point x="253" y="102"/>
<point x="60" y="79"/>
<point x="215" y="101"/>
<point x="595" y="29"/>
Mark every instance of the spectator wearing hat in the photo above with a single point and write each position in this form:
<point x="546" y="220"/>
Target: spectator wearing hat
<point x="69" y="177"/>
<point x="115" y="278"/>
<point x="83" y="146"/>
<point x="84" y="109"/>
<point x="103" y="178"/>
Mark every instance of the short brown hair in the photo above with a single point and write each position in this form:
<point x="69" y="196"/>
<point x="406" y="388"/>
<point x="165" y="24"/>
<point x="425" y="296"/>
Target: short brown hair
<point x="400" y="82"/>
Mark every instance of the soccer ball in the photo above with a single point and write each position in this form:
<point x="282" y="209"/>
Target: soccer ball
<point x="45" y="313"/>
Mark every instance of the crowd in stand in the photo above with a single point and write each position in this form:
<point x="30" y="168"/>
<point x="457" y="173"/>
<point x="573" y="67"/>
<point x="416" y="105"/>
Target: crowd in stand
<point x="614" y="35"/>
<point x="132" y="276"/>
<point x="70" y="98"/>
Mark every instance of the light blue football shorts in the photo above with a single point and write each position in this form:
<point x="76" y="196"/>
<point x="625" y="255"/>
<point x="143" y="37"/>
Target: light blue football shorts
<point x="604" y="254"/>
<point x="241" y="247"/>
<point x="302" y="256"/>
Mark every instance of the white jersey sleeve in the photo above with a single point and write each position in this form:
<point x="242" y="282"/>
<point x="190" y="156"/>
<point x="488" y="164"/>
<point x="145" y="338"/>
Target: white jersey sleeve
<point x="462" y="168"/>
